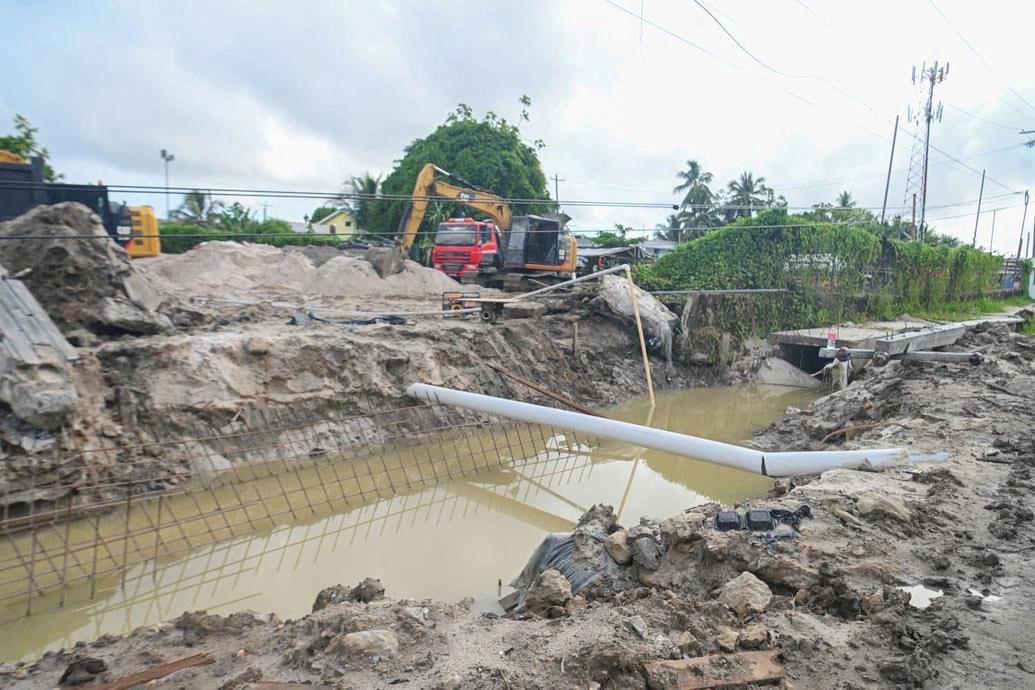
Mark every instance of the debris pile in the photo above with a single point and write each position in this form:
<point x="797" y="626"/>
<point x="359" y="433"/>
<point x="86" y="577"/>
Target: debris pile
<point x="84" y="283"/>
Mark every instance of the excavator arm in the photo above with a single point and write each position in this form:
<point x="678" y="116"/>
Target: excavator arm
<point x="455" y="190"/>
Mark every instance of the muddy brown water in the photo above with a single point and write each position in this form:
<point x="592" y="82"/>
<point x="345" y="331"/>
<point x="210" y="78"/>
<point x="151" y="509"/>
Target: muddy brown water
<point x="452" y="540"/>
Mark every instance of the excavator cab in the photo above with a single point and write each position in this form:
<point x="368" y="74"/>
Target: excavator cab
<point x="538" y="242"/>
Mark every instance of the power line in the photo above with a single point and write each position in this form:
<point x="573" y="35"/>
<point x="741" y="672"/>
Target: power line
<point x="790" y="93"/>
<point x="742" y="47"/>
<point x="323" y="195"/>
<point x="986" y="121"/>
<point x="979" y="57"/>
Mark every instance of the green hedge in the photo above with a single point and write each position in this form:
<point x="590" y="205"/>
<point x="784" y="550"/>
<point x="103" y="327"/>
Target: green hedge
<point x="180" y="237"/>
<point x="834" y="272"/>
<point x="845" y="260"/>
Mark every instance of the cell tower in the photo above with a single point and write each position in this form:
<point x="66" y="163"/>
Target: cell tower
<point x="921" y="114"/>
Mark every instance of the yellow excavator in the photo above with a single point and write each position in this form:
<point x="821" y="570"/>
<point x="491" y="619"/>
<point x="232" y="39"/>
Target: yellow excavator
<point x="505" y="251"/>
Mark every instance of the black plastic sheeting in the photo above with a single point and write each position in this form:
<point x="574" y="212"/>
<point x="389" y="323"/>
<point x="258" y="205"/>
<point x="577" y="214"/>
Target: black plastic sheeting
<point x="557" y="551"/>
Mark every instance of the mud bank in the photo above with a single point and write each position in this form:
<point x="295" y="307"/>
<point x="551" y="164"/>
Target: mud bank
<point x="826" y="599"/>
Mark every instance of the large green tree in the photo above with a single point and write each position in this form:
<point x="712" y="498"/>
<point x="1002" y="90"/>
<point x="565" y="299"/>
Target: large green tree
<point x="23" y="143"/>
<point x="490" y="153"/>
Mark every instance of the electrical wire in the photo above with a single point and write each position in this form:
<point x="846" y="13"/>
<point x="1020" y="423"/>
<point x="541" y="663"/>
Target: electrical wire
<point x="796" y="96"/>
<point x="298" y="194"/>
<point x="979" y="57"/>
<point x="743" y="48"/>
<point x="986" y="121"/>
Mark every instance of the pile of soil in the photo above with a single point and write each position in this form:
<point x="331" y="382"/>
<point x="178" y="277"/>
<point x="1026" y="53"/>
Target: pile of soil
<point x="824" y="600"/>
<point x="348" y="277"/>
<point x="214" y="269"/>
<point x="243" y="270"/>
<point x="78" y="274"/>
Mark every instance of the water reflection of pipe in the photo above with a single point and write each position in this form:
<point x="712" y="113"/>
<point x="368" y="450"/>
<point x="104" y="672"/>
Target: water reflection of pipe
<point x="779" y="464"/>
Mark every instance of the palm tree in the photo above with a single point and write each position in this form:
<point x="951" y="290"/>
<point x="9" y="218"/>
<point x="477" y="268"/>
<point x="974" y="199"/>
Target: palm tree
<point x="698" y="208"/>
<point x="198" y="208"/>
<point x="672" y="229"/>
<point x="694" y="185"/>
<point x="747" y="193"/>
<point x="358" y="197"/>
<point x="845" y="200"/>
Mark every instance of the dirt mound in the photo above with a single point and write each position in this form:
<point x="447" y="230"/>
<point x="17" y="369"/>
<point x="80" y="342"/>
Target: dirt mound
<point x="82" y="283"/>
<point x="318" y="254"/>
<point x="222" y="269"/>
<point x="232" y="268"/>
<point x="348" y="277"/>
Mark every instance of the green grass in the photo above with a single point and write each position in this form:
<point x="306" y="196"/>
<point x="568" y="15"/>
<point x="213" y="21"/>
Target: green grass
<point x="956" y="311"/>
<point x="1029" y="328"/>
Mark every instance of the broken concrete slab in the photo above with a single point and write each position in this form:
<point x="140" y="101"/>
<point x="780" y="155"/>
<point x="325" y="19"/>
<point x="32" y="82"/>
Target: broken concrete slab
<point x="925" y="339"/>
<point x="35" y="360"/>
<point x="387" y="261"/>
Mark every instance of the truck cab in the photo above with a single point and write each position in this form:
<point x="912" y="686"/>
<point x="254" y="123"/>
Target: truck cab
<point x="465" y="248"/>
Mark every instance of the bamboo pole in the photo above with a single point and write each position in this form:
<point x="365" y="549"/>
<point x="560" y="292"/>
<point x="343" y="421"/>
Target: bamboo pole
<point x="639" y="331"/>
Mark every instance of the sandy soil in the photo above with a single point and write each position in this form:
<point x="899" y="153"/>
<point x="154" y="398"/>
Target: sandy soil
<point x="828" y="599"/>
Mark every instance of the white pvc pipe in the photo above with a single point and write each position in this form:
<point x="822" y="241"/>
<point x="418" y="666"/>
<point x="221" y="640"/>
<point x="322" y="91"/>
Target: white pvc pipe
<point x="747" y="459"/>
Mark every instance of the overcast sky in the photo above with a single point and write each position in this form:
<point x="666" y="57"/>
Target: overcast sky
<point x="300" y="95"/>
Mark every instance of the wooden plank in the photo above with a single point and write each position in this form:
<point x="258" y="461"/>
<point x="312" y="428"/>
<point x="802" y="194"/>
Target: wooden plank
<point x="926" y="339"/>
<point x="161" y="671"/>
<point x="716" y="671"/>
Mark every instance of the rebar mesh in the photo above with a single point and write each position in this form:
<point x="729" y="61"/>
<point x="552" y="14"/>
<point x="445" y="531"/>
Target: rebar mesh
<point x="115" y="512"/>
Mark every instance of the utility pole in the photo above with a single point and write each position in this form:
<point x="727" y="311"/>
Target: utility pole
<point x="977" y="218"/>
<point x="887" y="185"/>
<point x="1024" y="219"/>
<point x="168" y="158"/>
<point x="265" y="205"/>
<point x="991" y="240"/>
<point x="914" y="215"/>
<point x="916" y="180"/>
<point x="557" y="189"/>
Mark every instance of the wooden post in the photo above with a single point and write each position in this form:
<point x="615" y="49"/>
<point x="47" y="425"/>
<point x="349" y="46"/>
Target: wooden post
<point x="575" y="340"/>
<point x="639" y="331"/>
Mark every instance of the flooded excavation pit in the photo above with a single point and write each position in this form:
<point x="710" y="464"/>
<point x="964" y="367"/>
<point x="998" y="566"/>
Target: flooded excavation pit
<point x="445" y="515"/>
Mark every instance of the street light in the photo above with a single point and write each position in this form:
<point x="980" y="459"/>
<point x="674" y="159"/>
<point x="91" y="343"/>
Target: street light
<point x="168" y="158"/>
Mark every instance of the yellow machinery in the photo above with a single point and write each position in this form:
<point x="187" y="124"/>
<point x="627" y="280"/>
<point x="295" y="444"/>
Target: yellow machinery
<point x="143" y="237"/>
<point x="466" y="193"/>
<point x="501" y="253"/>
<point x="8" y="157"/>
